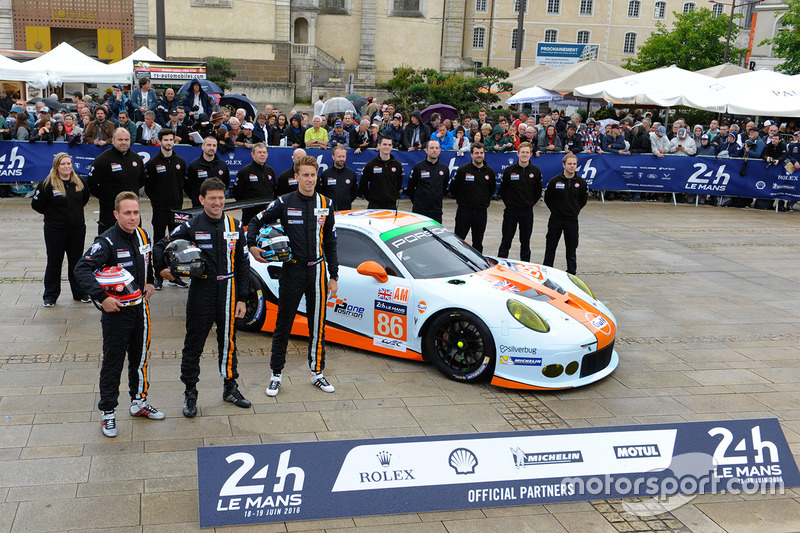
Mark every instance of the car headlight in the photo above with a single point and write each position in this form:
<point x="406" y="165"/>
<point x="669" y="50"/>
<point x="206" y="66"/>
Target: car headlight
<point x="581" y="285"/>
<point x="527" y="316"/>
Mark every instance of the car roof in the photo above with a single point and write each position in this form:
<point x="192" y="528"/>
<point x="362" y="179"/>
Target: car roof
<point x="376" y="222"/>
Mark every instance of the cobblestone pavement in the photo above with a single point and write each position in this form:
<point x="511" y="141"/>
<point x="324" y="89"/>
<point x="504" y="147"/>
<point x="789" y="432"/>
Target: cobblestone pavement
<point x="706" y="300"/>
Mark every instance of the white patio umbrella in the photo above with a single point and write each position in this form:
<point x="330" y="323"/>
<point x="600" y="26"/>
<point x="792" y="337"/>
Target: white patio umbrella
<point x="762" y="92"/>
<point x="663" y="86"/>
<point x="534" y="95"/>
<point x="723" y="71"/>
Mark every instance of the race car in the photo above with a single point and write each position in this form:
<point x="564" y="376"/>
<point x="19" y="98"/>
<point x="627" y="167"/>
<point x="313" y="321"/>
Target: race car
<point x="410" y="288"/>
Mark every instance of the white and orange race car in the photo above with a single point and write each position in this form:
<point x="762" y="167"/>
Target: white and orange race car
<point x="410" y="288"/>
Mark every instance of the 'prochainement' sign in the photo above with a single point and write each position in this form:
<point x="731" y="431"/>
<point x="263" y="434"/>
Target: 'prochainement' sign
<point x="315" y="480"/>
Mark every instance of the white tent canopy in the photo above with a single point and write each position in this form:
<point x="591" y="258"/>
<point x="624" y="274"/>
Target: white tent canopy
<point x="521" y="78"/>
<point x="762" y="92"/>
<point x="565" y="79"/>
<point x="664" y="87"/>
<point x="124" y="67"/>
<point x="13" y="71"/>
<point x="66" y="64"/>
<point x="722" y="71"/>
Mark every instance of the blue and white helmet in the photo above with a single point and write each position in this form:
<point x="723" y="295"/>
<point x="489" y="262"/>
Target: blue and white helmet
<point x="275" y="243"/>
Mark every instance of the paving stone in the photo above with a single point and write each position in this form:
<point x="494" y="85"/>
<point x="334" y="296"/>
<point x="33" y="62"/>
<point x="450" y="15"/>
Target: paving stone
<point x="7" y="515"/>
<point x="532" y="523"/>
<point x="60" y="515"/>
<point x="368" y="419"/>
<point x="277" y="423"/>
<point x="44" y="471"/>
<point x="171" y="484"/>
<point x="181" y="428"/>
<point x="760" y="515"/>
<point x="46" y="452"/>
<point x="107" y="488"/>
<point x="584" y="521"/>
<point x="14" y="436"/>
<point x="26" y="378"/>
<point x="159" y="464"/>
<point x="52" y="403"/>
<point x="42" y="492"/>
<point x="169" y="507"/>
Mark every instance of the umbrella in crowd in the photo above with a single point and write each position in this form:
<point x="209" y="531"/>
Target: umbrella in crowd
<point x="353" y="97"/>
<point x="359" y="105"/>
<point x="723" y="71"/>
<point x="444" y="110"/>
<point x="337" y="106"/>
<point x="239" y="100"/>
<point x="534" y="95"/>
<point x="207" y="85"/>
<point x="54" y="105"/>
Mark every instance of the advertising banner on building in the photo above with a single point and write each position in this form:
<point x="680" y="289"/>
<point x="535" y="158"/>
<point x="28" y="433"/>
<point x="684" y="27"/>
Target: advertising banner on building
<point x="284" y="482"/>
<point x="169" y="71"/>
<point x="561" y="54"/>
<point x="23" y="161"/>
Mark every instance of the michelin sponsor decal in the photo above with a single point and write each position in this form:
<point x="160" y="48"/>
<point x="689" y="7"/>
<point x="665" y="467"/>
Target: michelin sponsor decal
<point x="253" y="484"/>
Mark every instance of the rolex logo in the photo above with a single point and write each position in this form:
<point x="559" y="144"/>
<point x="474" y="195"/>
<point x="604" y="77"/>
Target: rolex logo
<point x="385" y="458"/>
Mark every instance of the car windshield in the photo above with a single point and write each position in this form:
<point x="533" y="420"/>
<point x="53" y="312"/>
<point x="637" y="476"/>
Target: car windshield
<point x="434" y="252"/>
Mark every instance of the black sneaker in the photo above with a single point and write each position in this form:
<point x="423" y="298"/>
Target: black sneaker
<point x="231" y="394"/>
<point x="49" y="303"/>
<point x="158" y="284"/>
<point x="86" y="300"/>
<point x="178" y="283"/>
<point x="190" y="403"/>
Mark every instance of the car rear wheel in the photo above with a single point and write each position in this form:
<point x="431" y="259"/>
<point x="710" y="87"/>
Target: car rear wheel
<point x="256" y="302"/>
<point x="461" y="346"/>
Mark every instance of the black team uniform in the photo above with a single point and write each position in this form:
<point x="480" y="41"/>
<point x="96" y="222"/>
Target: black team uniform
<point x="126" y="331"/>
<point x="212" y="299"/>
<point x="200" y="170"/>
<point x="381" y="182"/>
<point x="520" y="189"/>
<point x="112" y="173"/>
<point x="340" y="185"/>
<point x="309" y="224"/>
<point x="427" y="185"/>
<point x="565" y="197"/>
<point x="473" y="188"/>
<point x="163" y="184"/>
<point x="254" y="181"/>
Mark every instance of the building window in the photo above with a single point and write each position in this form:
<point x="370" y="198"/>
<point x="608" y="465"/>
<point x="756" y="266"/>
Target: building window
<point x="553" y="7"/>
<point x="514" y="39"/>
<point x="688" y="7"/>
<point x="660" y="11"/>
<point x="587" y="7"/>
<point x="583" y="37"/>
<point x="633" y="9"/>
<point x="551" y="36"/>
<point x="479" y="37"/>
<point x="333" y="6"/>
<point x="516" y="6"/>
<point x="476" y="66"/>
<point x="630" y="43"/>
<point x="716" y="10"/>
<point x="480" y="6"/>
<point x="406" y="8"/>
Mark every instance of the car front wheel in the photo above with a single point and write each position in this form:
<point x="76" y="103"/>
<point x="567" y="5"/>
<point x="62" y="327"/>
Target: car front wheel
<point x="461" y="346"/>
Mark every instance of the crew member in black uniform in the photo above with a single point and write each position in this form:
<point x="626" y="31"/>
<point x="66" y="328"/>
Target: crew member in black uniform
<point x="427" y="184"/>
<point x="116" y="170"/>
<point x="382" y="178"/>
<point x="208" y="165"/>
<point x="565" y="196"/>
<point x="473" y="187"/>
<point x="307" y="218"/>
<point x="520" y="189"/>
<point x="256" y="180"/>
<point x="218" y="297"/>
<point x="287" y="181"/>
<point x="126" y="329"/>
<point x="338" y="182"/>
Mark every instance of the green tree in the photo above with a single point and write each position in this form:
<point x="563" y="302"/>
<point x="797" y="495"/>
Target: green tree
<point x="786" y="43"/>
<point x="219" y="71"/>
<point x="413" y="88"/>
<point x="696" y="41"/>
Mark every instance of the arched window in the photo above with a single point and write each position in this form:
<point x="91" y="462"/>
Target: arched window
<point x="480" y="6"/>
<point x="688" y="7"/>
<point x="553" y="7"/>
<point x="587" y="8"/>
<point x="514" y="39"/>
<point x="583" y="37"/>
<point x="717" y="9"/>
<point x="633" y="9"/>
<point x="630" y="43"/>
<point x="660" y="12"/>
<point x="551" y="36"/>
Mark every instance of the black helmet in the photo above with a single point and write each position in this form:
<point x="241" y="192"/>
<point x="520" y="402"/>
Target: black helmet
<point x="275" y="243"/>
<point x="185" y="259"/>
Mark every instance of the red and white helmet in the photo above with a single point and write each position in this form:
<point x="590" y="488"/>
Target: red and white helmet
<point x="119" y="284"/>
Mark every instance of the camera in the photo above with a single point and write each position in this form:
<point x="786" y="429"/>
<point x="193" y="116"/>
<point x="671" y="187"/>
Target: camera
<point x="195" y="107"/>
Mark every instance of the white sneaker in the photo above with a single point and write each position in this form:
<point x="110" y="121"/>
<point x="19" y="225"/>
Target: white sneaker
<point x="274" y="385"/>
<point x="144" y="409"/>
<point x="108" y="424"/>
<point x="318" y="380"/>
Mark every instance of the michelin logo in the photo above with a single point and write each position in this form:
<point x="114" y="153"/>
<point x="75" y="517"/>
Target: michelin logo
<point x="521" y="361"/>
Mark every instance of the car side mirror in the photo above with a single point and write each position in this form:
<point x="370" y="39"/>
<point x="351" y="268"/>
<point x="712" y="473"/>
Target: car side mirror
<point x="371" y="268"/>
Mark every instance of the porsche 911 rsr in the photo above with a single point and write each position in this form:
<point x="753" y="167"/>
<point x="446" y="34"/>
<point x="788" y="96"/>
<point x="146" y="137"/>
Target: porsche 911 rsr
<point x="410" y="288"/>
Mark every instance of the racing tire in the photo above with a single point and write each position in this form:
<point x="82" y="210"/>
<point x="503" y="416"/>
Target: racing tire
<point x="461" y="346"/>
<point x="256" y="303"/>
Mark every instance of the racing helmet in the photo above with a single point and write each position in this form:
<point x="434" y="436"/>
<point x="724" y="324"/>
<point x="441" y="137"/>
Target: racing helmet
<point x="275" y="243"/>
<point x="119" y="284"/>
<point x="185" y="259"/>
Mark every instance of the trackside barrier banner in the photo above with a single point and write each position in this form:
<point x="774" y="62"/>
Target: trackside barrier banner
<point x="23" y="161"/>
<point x="313" y="480"/>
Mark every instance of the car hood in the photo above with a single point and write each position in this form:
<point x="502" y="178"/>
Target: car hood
<point x="532" y="285"/>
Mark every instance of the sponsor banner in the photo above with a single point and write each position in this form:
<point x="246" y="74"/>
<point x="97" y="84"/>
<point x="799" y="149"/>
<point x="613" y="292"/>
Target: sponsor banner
<point x="561" y="54"/>
<point x="315" y="480"/>
<point x="23" y="161"/>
